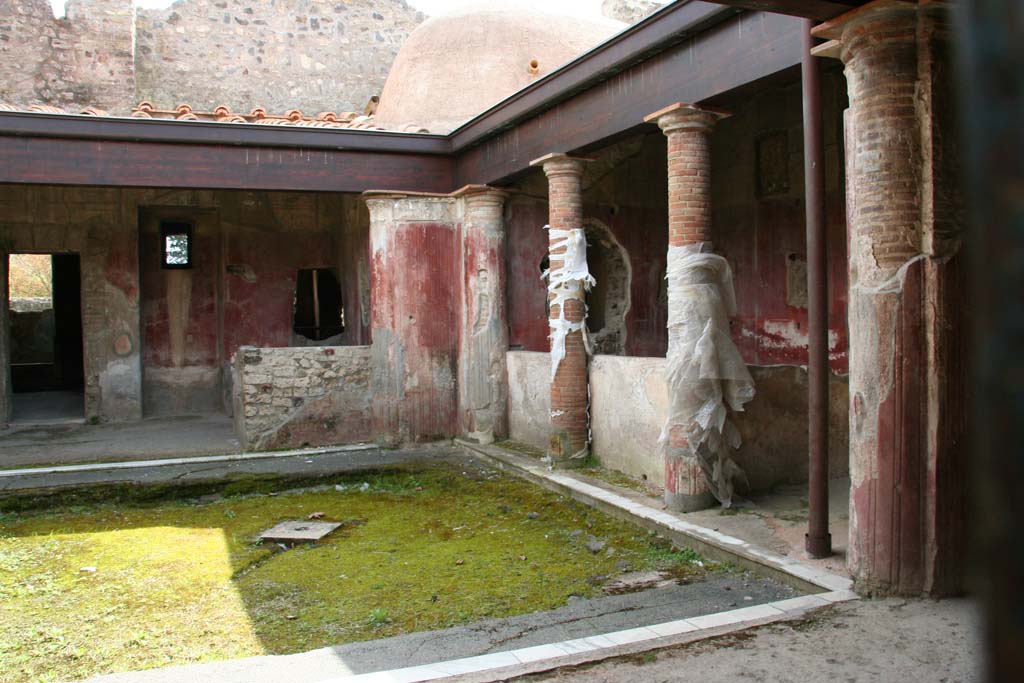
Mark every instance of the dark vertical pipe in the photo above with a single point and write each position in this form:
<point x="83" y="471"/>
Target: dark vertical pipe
<point x="818" y="540"/>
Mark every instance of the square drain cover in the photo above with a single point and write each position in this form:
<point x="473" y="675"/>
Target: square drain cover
<point x="298" y="532"/>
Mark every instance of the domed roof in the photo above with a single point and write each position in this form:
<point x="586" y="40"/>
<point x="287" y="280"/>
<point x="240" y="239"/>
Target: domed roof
<point x="455" y="66"/>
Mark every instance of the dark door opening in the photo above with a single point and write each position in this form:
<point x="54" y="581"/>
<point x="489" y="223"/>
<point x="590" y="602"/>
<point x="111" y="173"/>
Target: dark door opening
<point x="45" y="308"/>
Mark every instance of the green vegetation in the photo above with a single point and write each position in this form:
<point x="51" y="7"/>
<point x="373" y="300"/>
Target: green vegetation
<point x="616" y="478"/>
<point x="100" y="588"/>
<point x="30" y="275"/>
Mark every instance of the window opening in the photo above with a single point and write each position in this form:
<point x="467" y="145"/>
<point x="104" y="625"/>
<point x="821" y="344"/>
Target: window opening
<point x="176" y="238"/>
<point x="319" y="305"/>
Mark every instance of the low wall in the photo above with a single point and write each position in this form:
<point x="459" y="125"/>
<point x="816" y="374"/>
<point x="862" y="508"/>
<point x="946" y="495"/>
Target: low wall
<point x="291" y="397"/>
<point x="628" y="408"/>
<point x="529" y="397"/>
<point x="629" y="405"/>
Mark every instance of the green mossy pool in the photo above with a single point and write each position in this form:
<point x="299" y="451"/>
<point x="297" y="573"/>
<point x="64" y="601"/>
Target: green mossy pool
<point x="93" y="589"/>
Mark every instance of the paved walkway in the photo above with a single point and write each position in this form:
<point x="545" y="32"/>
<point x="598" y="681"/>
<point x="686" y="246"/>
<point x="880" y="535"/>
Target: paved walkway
<point x="142" y="440"/>
<point x="890" y="641"/>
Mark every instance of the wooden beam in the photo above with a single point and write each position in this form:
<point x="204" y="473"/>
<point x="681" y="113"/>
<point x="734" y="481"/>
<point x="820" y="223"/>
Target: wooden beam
<point x="57" y="161"/>
<point x="818" y="10"/>
<point x="667" y="27"/>
<point x="214" y="133"/>
<point x="735" y="52"/>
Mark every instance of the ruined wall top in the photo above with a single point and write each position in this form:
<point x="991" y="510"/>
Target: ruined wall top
<point x="631" y="11"/>
<point x="314" y="55"/>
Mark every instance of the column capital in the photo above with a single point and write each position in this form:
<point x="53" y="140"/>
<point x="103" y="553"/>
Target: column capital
<point x="558" y="163"/>
<point x="684" y="116"/>
<point x="876" y="23"/>
<point x="481" y="194"/>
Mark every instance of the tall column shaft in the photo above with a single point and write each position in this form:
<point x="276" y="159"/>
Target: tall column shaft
<point x="483" y="342"/>
<point x="688" y="129"/>
<point x="5" y="342"/>
<point x="905" y="303"/>
<point x="570" y="418"/>
<point x="416" y="257"/>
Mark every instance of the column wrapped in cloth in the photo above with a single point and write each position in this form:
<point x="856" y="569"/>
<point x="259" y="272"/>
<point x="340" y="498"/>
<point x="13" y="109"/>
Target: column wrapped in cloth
<point x="707" y="377"/>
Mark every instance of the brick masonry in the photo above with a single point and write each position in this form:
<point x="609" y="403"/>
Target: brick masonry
<point x="290" y="397"/>
<point x="314" y="55"/>
<point x="688" y="129"/>
<point x="907" y="307"/>
<point x="570" y="418"/>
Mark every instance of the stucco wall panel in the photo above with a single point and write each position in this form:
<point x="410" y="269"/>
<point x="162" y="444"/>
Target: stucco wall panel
<point x="529" y="397"/>
<point x="628" y="403"/>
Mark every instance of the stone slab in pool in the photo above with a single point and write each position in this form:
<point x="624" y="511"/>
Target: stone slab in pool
<point x="304" y="531"/>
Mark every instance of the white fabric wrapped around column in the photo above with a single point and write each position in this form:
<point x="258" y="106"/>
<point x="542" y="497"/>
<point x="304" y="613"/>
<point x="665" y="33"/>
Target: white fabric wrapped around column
<point x="570" y="281"/>
<point x="707" y="377"/>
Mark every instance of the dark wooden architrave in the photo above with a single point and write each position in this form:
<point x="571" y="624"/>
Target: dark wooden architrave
<point x="56" y="161"/>
<point x="690" y="51"/>
<point x="818" y="10"/>
<point x="214" y="133"/>
<point x="660" y="31"/>
<point x="740" y="50"/>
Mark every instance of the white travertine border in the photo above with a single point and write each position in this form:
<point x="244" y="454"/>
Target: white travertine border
<point x="137" y="464"/>
<point x="502" y="665"/>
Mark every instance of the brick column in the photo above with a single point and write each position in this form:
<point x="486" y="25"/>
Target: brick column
<point x="483" y="342"/>
<point x="906" y="303"/>
<point x="570" y="417"/>
<point x="688" y="128"/>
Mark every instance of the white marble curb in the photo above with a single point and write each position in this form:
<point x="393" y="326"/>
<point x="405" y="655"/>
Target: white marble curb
<point x="503" y="665"/>
<point x="166" y="462"/>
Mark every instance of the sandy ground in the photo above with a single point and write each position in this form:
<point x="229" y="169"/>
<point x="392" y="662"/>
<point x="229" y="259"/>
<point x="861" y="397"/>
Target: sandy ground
<point x="911" y="641"/>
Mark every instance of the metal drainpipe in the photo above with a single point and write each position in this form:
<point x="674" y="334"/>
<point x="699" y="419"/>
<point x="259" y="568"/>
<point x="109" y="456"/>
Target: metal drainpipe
<point x="818" y="539"/>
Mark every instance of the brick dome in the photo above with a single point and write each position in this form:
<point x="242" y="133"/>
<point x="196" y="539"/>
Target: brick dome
<point x="455" y="66"/>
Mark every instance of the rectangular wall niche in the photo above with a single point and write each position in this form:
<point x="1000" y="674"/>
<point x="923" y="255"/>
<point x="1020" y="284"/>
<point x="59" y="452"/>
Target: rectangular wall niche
<point x="176" y="241"/>
<point x="319" y="306"/>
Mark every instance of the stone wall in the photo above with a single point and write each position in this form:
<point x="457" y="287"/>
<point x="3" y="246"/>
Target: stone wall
<point x="631" y="11"/>
<point x="313" y="55"/>
<point x="293" y="397"/>
<point x="85" y="59"/>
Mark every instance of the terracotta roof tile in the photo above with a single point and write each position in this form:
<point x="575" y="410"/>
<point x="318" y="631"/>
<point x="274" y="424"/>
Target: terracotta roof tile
<point x="223" y="114"/>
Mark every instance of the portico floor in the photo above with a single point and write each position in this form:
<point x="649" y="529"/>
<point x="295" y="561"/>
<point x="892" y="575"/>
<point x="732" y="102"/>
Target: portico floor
<point x="76" y="442"/>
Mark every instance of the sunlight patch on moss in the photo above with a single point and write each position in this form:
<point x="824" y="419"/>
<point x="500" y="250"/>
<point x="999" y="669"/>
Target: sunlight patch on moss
<point x="179" y="582"/>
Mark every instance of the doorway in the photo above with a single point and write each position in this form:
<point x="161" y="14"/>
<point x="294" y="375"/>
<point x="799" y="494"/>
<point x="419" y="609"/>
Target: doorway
<point x="46" y="343"/>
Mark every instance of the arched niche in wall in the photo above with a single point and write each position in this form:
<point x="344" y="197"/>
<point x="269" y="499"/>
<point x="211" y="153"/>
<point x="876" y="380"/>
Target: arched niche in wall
<point x="609" y="300"/>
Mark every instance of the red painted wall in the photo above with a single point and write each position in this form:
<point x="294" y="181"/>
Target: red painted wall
<point x="416" y="277"/>
<point x="761" y="236"/>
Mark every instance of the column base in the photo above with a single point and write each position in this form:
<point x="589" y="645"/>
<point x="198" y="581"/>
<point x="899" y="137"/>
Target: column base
<point x="818" y="546"/>
<point x="689" y="502"/>
<point x="686" y="490"/>
<point x="561" y="453"/>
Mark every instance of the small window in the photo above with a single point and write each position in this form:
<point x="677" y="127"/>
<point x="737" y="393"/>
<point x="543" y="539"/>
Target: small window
<point x="319" y="307"/>
<point x="176" y="239"/>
